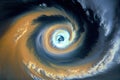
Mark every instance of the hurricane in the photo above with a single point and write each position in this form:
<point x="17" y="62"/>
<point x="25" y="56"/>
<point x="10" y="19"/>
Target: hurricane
<point x="59" y="39"/>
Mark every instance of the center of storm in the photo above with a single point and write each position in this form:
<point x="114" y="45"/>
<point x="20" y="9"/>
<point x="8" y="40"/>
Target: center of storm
<point x="60" y="38"/>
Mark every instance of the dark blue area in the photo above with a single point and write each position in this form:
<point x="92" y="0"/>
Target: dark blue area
<point x="53" y="19"/>
<point x="61" y="38"/>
